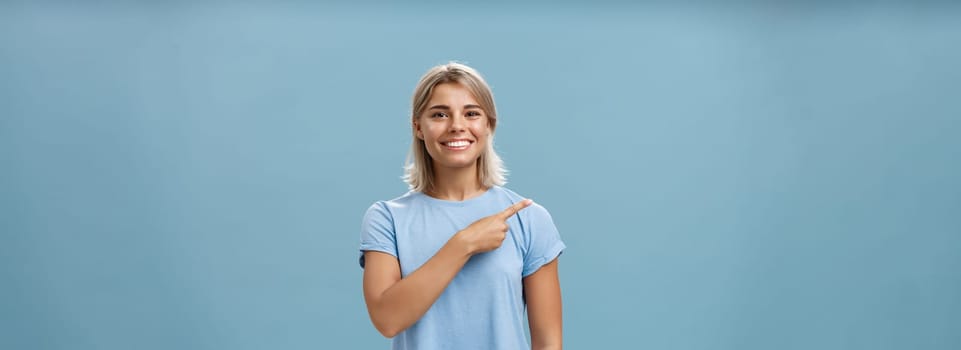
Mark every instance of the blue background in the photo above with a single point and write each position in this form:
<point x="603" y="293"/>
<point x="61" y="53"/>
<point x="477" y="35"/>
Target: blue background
<point x="192" y="175"/>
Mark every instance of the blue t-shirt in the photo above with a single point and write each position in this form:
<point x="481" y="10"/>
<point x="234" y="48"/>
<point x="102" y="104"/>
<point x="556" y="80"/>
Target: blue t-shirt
<point x="483" y="306"/>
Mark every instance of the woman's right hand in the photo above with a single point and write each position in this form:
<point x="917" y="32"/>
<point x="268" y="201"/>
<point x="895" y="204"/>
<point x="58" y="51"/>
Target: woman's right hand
<point x="488" y="233"/>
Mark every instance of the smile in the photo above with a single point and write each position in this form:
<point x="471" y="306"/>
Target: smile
<point x="457" y="145"/>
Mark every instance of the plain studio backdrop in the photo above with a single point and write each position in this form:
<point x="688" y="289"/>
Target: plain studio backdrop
<point x="746" y="175"/>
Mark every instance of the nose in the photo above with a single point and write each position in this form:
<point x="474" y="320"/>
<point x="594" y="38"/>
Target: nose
<point x="458" y="123"/>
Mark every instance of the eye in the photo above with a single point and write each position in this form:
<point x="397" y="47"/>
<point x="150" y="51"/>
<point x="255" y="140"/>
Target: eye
<point x="473" y="114"/>
<point x="439" y="115"/>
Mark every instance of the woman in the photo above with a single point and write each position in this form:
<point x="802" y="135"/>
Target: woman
<point x="453" y="263"/>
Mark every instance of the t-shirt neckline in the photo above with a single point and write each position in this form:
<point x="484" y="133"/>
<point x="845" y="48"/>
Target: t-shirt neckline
<point x="462" y="203"/>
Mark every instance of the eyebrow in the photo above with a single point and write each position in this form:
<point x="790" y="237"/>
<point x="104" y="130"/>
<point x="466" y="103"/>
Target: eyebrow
<point x="446" y="107"/>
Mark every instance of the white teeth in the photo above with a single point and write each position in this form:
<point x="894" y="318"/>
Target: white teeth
<point x="458" y="144"/>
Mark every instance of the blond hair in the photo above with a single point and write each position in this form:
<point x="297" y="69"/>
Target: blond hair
<point x="419" y="169"/>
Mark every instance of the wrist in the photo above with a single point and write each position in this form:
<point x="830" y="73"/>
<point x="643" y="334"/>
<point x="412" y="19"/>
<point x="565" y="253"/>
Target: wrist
<point x="462" y="245"/>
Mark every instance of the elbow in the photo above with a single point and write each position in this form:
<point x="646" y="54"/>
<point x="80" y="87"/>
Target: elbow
<point x="388" y="321"/>
<point x="387" y="328"/>
<point x="388" y="331"/>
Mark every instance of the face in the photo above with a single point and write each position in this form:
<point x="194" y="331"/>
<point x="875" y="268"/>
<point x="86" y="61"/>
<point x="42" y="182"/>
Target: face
<point x="454" y="127"/>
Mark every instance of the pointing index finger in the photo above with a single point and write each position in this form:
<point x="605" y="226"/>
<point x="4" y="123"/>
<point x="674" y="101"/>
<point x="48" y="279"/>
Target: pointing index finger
<point x="513" y="209"/>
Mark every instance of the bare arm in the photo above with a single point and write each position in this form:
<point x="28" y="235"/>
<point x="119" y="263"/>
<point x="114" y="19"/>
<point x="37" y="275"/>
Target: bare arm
<point x="396" y="303"/>
<point x="542" y="290"/>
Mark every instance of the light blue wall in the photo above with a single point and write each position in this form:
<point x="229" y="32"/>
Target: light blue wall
<point x="193" y="175"/>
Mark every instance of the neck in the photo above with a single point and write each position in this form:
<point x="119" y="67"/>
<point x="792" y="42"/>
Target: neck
<point x="456" y="184"/>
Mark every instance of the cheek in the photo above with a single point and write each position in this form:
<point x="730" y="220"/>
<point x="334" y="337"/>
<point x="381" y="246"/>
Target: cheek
<point x="431" y="132"/>
<point x="482" y="130"/>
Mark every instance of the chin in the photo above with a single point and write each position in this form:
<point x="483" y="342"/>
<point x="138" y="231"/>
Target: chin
<point x="458" y="163"/>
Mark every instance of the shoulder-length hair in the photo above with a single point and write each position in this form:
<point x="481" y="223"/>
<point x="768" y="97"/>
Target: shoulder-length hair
<point x="419" y="169"/>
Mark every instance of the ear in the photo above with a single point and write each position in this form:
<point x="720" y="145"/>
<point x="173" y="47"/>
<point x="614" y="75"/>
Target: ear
<point x="417" y="131"/>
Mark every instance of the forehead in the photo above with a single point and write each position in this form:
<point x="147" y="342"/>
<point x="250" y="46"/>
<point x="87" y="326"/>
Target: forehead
<point x="453" y="92"/>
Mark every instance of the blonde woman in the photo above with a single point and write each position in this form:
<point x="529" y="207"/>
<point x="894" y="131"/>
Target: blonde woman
<point x="457" y="261"/>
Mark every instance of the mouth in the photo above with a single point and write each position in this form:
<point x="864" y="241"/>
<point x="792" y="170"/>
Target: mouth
<point x="457" y="145"/>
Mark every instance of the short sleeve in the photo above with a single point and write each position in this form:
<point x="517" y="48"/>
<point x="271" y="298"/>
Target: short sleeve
<point x="377" y="232"/>
<point x="542" y="239"/>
